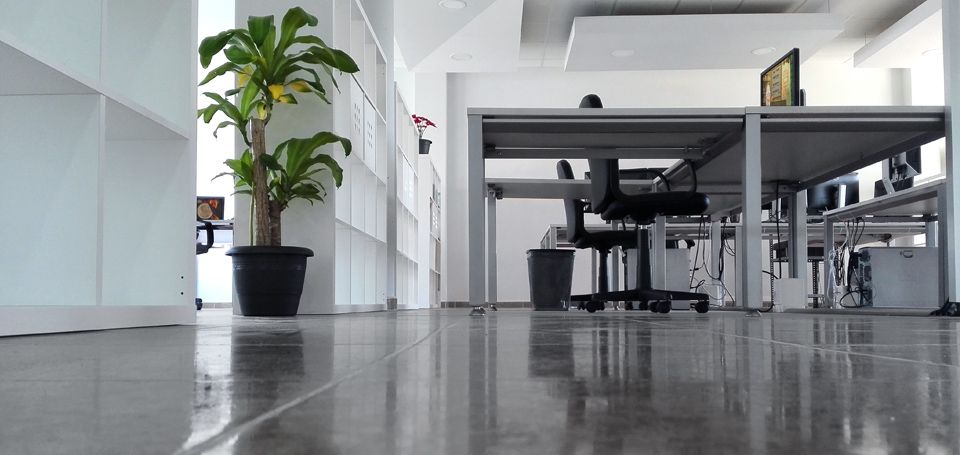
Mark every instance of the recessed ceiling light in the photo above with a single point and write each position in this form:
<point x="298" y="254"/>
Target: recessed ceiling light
<point x="763" y="50"/>
<point x="935" y="52"/>
<point x="453" y="4"/>
<point x="461" y="56"/>
<point x="623" y="53"/>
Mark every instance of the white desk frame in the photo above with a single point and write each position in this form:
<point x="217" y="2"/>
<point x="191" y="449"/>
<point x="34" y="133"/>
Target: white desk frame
<point x="799" y="146"/>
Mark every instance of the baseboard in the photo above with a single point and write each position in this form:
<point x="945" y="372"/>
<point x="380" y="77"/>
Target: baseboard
<point x="34" y="320"/>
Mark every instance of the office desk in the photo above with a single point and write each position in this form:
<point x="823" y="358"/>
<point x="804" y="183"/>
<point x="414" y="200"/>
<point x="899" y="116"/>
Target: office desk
<point x="738" y="151"/>
<point x="925" y="200"/>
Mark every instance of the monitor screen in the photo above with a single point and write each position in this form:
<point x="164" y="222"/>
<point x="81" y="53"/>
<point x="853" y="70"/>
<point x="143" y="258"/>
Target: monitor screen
<point x="210" y="208"/>
<point x="780" y="83"/>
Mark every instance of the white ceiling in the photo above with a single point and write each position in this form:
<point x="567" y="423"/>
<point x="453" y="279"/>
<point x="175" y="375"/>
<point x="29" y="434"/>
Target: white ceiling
<point x="912" y="39"/>
<point x="690" y="41"/>
<point x="428" y="34"/>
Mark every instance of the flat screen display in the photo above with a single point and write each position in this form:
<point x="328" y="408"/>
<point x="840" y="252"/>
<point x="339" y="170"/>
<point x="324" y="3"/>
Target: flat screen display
<point x="780" y="83"/>
<point x="210" y="208"/>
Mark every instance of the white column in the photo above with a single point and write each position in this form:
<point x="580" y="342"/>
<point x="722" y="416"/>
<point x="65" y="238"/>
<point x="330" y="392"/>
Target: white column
<point x="951" y="80"/>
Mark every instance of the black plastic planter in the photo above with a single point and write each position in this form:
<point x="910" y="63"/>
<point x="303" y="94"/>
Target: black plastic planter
<point x="425" y="146"/>
<point x="269" y="279"/>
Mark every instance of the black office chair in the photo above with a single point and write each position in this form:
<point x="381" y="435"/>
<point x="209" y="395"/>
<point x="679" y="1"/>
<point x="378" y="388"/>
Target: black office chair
<point x="612" y="204"/>
<point x="602" y="241"/>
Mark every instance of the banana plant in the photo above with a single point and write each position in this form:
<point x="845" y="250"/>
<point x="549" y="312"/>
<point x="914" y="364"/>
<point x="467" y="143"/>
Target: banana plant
<point x="272" y="69"/>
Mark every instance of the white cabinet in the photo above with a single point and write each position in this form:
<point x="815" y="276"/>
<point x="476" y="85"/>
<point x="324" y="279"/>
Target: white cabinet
<point x="96" y="116"/>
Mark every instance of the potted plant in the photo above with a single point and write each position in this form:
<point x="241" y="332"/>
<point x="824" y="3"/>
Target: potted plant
<point x="271" y="66"/>
<point x="422" y="123"/>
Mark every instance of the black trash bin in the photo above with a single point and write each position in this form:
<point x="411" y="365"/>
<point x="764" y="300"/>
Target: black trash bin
<point x="551" y="276"/>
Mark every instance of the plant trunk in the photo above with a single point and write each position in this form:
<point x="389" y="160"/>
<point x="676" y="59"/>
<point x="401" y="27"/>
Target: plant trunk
<point x="261" y="199"/>
<point x="275" y="211"/>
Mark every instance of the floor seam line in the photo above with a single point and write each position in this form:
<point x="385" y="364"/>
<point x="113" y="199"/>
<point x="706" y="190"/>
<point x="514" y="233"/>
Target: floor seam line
<point x="225" y="435"/>
<point x="814" y="348"/>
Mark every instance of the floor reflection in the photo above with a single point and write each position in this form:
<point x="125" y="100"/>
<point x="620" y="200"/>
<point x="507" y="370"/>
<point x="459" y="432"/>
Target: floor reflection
<point x="512" y="382"/>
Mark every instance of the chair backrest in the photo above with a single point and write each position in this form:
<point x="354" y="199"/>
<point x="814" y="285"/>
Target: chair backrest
<point x="573" y="207"/>
<point x="601" y="193"/>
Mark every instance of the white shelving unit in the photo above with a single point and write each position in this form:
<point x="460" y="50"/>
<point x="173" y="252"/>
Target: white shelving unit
<point x="347" y="232"/>
<point x="361" y="203"/>
<point x="97" y="100"/>
<point x="408" y="225"/>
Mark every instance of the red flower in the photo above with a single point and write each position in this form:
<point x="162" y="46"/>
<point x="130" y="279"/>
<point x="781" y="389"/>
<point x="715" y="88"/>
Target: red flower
<point x="422" y="123"/>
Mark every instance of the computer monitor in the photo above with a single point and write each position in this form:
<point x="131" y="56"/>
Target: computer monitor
<point x="902" y="169"/>
<point x="839" y="192"/>
<point x="780" y="83"/>
<point x="210" y="208"/>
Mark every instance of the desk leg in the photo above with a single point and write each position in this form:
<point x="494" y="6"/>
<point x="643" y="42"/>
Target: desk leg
<point x="476" y="224"/>
<point x="716" y="243"/>
<point x="492" y="248"/>
<point x="797" y="240"/>
<point x="950" y="216"/>
<point x="828" y="257"/>
<point x="659" y="266"/>
<point x="943" y="253"/>
<point x="594" y="276"/>
<point x="752" y="241"/>
<point x="738" y="266"/>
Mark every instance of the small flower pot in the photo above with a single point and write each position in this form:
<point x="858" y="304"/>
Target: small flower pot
<point x="425" y="146"/>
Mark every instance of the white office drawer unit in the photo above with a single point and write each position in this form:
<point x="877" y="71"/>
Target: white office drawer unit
<point x="899" y="277"/>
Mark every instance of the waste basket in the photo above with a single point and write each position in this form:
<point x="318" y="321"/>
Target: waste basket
<point x="551" y="276"/>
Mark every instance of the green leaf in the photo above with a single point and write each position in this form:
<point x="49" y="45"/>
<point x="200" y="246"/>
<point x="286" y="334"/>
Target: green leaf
<point x="335" y="58"/>
<point x="335" y="168"/>
<point x="309" y="39"/>
<point x="239" y="56"/>
<point x="222" y="125"/>
<point x="271" y="162"/>
<point x="208" y="112"/>
<point x="220" y="71"/>
<point x="247" y="97"/>
<point x="229" y="109"/>
<point x="211" y="45"/>
<point x="259" y="26"/>
<point x="295" y="19"/>
<point x="287" y="99"/>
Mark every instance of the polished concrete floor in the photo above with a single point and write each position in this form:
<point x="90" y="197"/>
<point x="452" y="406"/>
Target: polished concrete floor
<point x="440" y="382"/>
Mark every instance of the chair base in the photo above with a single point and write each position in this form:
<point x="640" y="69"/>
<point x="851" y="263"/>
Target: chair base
<point x="656" y="300"/>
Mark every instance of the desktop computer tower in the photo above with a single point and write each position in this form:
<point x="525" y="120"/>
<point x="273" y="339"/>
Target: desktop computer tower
<point x="892" y="277"/>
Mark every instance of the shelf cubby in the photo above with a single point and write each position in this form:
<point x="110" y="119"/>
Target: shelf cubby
<point x="98" y="108"/>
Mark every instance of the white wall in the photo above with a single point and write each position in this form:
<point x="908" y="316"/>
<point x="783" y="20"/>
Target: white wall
<point x="521" y="223"/>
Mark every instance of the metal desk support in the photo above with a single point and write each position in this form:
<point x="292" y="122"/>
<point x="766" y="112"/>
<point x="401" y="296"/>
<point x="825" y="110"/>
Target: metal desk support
<point x="749" y="253"/>
<point x="492" y="197"/>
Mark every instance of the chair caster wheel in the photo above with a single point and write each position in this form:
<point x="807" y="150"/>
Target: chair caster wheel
<point x="664" y="307"/>
<point x="581" y="306"/>
<point x="654" y="306"/>
<point x="628" y="306"/>
<point x="593" y="306"/>
<point x="199" y="303"/>
<point x="702" y="307"/>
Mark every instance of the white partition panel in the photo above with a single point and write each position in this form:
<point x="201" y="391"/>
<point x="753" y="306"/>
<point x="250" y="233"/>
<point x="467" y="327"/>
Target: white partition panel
<point x="146" y="185"/>
<point x="142" y="41"/>
<point x="67" y="32"/>
<point x="49" y="198"/>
